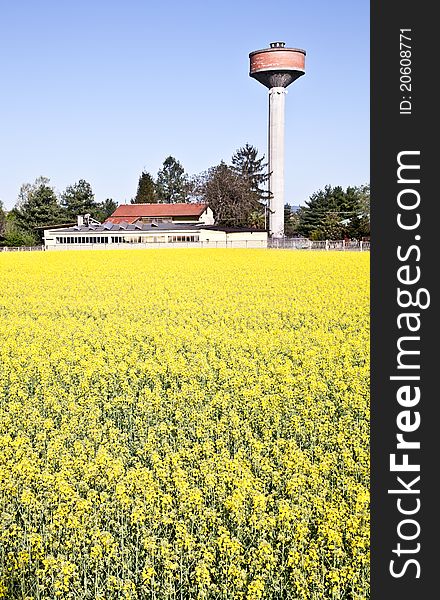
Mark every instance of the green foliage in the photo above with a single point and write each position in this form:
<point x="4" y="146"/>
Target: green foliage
<point x="37" y="207"/>
<point x="363" y="194"/>
<point x="146" y="190"/>
<point x="333" y="213"/>
<point x="2" y="220"/>
<point x="20" y="238"/>
<point x="172" y="182"/>
<point x="105" y="209"/>
<point x="254" y="170"/>
<point x="291" y="221"/>
<point x="78" y="199"/>
<point x="13" y="235"/>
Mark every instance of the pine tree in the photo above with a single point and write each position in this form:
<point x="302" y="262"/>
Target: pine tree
<point x="172" y="182"/>
<point x="78" y="199"/>
<point x="105" y="209"/>
<point x="254" y="170"/>
<point x="333" y="213"/>
<point x="37" y="207"/>
<point x="146" y="190"/>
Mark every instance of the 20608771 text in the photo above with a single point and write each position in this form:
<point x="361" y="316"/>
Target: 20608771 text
<point x="405" y="106"/>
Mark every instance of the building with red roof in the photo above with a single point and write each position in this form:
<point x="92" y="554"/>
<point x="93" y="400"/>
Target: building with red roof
<point x="184" y="213"/>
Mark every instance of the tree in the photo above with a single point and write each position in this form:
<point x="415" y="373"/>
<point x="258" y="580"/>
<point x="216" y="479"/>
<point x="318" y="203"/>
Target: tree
<point x="291" y="221"/>
<point x="360" y="225"/>
<point x="105" y="209"/>
<point x="37" y="207"/>
<point x="254" y="170"/>
<point x="229" y="197"/>
<point x="333" y="213"/>
<point x="15" y="236"/>
<point x="2" y="220"/>
<point x="172" y="182"/>
<point x="363" y="194"/>
<point x="146" y="190"/>
<point x="78" y="199"/>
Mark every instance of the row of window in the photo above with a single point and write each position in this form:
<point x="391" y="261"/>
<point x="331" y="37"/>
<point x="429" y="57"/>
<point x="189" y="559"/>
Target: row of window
<point x="82" y="240"/>
<point x="119" y="239"/>
<point x="183" y="238"/>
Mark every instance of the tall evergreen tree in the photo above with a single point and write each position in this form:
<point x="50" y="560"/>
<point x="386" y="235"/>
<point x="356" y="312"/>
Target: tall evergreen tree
<point x="78" y="199"/>
<point x="146" y="190"/>
<point x="37" y="207"/>
<point x="363" y="194"/>
<point x="105" y="209"/>
<point x="254" y="170"/>
<point x="359" y="225"/>
<point x="172" y="182"/>
<point x="2" y="220"/>
<point x="333" y="213"/>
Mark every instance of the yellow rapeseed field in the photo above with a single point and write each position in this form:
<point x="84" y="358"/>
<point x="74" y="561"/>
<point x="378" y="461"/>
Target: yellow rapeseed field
<point x="184" y="424"/>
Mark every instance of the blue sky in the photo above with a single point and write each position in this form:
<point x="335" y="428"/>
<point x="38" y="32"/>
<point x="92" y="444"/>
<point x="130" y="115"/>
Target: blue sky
<point x="102" y="90"/>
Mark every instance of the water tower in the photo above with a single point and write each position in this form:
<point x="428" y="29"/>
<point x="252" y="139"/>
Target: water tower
<point x="276" y="68"/>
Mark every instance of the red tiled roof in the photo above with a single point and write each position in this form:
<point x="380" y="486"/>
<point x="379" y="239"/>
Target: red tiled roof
<point x="136" y="211"/>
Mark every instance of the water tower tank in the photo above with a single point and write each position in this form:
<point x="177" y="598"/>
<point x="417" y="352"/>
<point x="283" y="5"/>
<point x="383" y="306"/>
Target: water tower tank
<point x="277" y="66"/>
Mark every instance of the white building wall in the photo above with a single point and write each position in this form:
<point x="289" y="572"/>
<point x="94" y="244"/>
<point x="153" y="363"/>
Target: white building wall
<point x="207" y="217"/>
<point x="208" y="238"/>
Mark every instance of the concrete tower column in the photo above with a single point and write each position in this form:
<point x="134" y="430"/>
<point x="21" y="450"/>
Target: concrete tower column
<point x="276" y="68"/>
<point x="276" y="160"/>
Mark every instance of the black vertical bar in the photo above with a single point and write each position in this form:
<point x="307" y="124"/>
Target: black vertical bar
<point x="404" y="120"/>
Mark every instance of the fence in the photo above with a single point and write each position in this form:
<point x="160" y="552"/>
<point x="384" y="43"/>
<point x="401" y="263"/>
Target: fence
<point x="164" y="245"/>
<point x="21" y="248"/>
<point x="274" y="243"/>
<point x="306" y="244"/>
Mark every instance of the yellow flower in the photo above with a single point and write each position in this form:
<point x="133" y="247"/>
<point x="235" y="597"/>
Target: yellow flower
<point x="184" y="423"/>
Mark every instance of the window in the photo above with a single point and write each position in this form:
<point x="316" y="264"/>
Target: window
<point x="183" y="238"/>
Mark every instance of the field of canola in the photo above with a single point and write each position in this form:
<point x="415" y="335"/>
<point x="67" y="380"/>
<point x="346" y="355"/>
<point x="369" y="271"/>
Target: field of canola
<point x="184" y="424"/>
